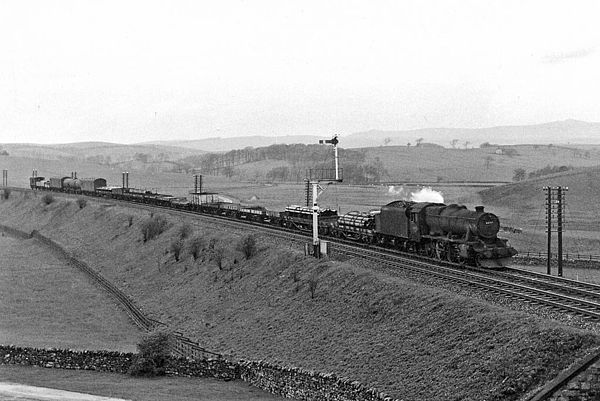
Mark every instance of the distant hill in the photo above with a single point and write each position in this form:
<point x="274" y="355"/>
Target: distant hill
<point x="557" y="132"/>
<point x="99" y="151"/>
<point x="226" y="144"/>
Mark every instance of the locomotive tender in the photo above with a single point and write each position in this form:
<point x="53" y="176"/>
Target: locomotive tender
<point x="436" y="230"/>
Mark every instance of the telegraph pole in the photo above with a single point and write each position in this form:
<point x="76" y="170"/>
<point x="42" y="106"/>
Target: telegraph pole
<point x="555" y="205"/>
<point x="549" y="229"/>
<point x="559" y="227"/>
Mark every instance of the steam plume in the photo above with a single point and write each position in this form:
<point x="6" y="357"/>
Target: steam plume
<point x="425" y="194"/>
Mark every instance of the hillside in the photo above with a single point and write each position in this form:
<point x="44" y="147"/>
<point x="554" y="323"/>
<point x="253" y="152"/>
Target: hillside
<point x="100" y="152"/>
<point x="556" y="132"/>
<point x="426" y="163"/>
<point x="413" y="341"/>
<point x="522" y="205"/>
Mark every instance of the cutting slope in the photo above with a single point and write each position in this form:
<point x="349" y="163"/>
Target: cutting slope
<point x="412" y="341"/>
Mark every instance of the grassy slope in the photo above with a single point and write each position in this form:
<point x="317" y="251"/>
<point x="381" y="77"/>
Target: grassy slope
<point x="522" y="205"/>
<point x="428" y="163"/>
<point x="412" y="341"/>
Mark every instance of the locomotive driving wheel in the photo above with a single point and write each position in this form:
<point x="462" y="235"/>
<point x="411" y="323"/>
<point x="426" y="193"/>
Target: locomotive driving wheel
<point x="440" y="251"/>
<point x="452" y="254"/>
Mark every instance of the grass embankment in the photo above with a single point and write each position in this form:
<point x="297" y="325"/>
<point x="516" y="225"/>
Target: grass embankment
<point x="412" y="341"/>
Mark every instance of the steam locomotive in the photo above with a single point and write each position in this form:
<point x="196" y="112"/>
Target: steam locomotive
<point x="443" y="232"/>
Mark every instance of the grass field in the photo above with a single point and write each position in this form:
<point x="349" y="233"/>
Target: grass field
<point x="45" y="303"/>
<point x="130" y="388"/>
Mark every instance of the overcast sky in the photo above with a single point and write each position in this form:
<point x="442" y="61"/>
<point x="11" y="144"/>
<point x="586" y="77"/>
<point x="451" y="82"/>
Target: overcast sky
<point x="131" y="71"/>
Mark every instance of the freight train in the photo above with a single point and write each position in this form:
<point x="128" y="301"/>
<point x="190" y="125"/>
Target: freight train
<point x="443" y="232"/>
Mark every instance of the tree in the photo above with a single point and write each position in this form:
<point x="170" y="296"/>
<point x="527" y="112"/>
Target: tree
<point x="454" y="143"/>
<point x="519" y="174"/>
<point x="142" y="157"/>
<point x="488" y="160"/>
<point x="228" y="171"/>
<point x="387" y="141"/>
<point x="418" y="142"/>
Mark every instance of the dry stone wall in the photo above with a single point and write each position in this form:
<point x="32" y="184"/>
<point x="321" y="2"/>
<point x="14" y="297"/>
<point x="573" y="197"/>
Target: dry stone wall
<point x="287" y="382"/>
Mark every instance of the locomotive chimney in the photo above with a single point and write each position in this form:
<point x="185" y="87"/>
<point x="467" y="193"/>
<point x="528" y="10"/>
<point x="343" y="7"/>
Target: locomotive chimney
<point x="479" y="209"/>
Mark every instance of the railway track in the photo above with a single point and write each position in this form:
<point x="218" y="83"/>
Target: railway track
<point x="578" y="298"/>
<point x="574" y="297"/>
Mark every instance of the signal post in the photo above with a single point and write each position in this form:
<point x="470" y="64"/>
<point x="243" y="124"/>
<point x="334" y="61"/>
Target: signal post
<point x="315" y="177"/>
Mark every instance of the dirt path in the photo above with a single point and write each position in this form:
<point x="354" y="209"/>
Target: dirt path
<point x="20" y="392"/>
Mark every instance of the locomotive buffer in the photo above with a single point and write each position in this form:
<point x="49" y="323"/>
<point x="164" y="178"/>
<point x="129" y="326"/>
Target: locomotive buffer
<point x="315" y="177"/>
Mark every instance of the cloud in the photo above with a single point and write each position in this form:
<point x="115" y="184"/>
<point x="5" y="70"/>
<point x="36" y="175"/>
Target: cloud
<point x="565" y="56"/>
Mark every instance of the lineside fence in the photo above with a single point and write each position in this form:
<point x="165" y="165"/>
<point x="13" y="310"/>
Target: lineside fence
<point x="566" y="256"/>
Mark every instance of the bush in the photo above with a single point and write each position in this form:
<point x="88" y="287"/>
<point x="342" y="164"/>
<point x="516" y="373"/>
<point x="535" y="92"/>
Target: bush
<point x="196" y="244"/>
<point x="153" y="227"/>
<point x="47" y="199"/>
<point x="313" y="282"/>
<point x="248" y="246"/>
<point x="81" y="202"/>
<point x="218" y="254"/>
<point x="129" y="220"/>
<point x="6" y="193"/>
<point x="175" y="247"/>
<point x="185" y="230"/>
<point x="153" y="354"/>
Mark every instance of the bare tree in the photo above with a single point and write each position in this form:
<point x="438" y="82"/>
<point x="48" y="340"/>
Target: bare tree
<point x="519" y="174"/>
<point x="312" y="285"/>
<point x="488" y="161"/>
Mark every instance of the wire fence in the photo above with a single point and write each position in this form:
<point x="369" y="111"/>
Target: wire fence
<point x="566" y="255"/>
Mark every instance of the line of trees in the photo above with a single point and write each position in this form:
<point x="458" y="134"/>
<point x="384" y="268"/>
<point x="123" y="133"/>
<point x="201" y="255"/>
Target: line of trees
<point x="299" y="158"/>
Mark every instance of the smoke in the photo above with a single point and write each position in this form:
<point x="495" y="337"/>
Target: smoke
<point x="425" y="194"/>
